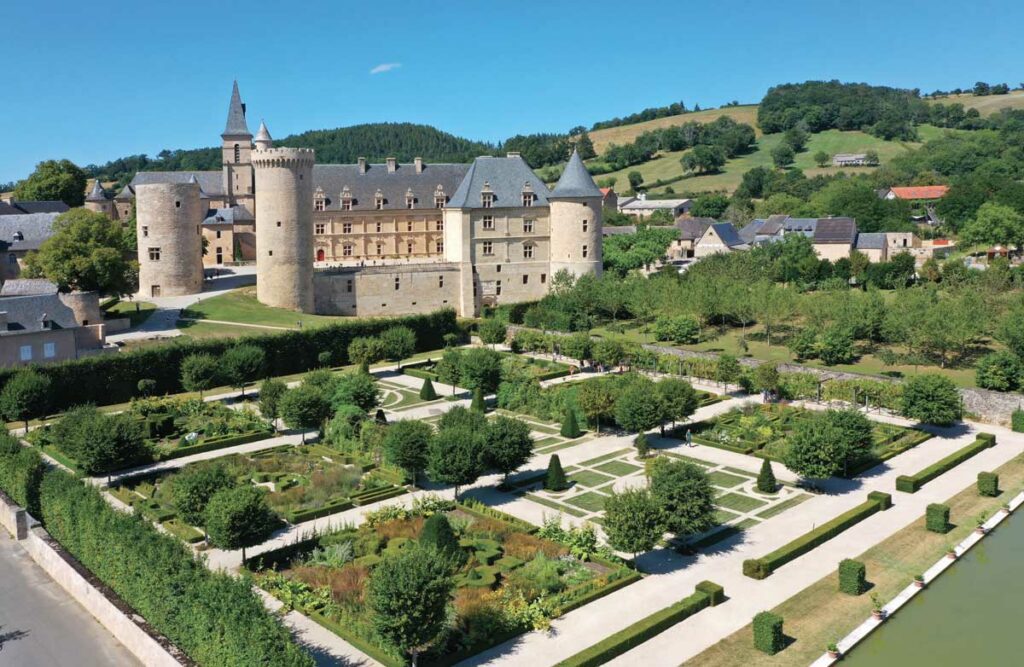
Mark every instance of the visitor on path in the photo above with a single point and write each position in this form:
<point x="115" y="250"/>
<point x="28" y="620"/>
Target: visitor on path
<point x="689" y="438"/>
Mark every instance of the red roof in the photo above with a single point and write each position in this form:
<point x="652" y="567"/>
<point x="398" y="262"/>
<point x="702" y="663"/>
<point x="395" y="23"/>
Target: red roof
<point x="605" y="191"/>
<point x="921" y="192"/>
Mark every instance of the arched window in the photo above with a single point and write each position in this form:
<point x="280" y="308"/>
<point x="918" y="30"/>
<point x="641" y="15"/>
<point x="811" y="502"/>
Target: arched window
<point x="238" y="153"/>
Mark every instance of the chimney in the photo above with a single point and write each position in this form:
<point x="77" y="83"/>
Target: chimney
<point x="362" y="165"/>
<point x="513" y="154"/>
<point x="418" y="161"/>
<point x="392" y="165"/>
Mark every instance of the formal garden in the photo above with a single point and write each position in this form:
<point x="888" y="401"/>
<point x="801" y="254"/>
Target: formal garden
<point x="504" y="577"/>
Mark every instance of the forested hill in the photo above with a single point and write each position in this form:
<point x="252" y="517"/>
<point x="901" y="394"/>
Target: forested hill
<point x="374" y="141"/>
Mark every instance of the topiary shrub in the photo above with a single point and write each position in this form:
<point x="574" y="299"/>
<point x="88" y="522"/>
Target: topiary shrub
<point x="555" y="478"/>
<point x="988" y="484"/>
<point x="768" y="633"/>
<point x="438" y="534"/>
<point x="852" y="576"/>
<point x="755" y="568"/>
<point x="936" y="518"/>
<point x="884" y="500"/>
<point x="570" y="429"/>
<point x="642" y="447"/>
<point x="766" y="482"/>
<point x="478" y="404"/>
<point x="715" y="593"/>
<point x="427" y="392"/>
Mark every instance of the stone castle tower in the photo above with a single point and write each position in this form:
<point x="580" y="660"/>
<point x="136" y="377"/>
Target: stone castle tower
<point x="284" y="226"/>
<point x="170" y="239"/>
<point x="576" y="240"/>
<point x="236" y="153"/>
<point x="97" y="201"/>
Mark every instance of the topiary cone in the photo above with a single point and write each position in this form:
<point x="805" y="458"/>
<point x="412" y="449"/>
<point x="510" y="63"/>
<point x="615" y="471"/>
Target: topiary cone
<point x="478" y="401"/>
<point x="766" y="478"/>
<point x="570" y="428"/>
<point x="427" y="392"/>
<point x="555" y="479"/>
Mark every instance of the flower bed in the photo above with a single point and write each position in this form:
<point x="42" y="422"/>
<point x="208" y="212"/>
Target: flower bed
<point x="182" y="427"/>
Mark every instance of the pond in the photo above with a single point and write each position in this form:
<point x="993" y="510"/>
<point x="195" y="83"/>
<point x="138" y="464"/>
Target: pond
<point x="969" y="615"/>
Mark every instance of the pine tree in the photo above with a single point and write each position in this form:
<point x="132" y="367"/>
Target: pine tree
<point x="555" y="479"/>
<point x="642" y="448"/>
<point x="766" y="479"/>
<point x="478" y="401"/>
<point x="570" y="429"/>
<point x="427" y="392"/>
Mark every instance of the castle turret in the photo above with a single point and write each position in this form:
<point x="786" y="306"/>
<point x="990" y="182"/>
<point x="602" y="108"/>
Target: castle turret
<point x="168" y="226"/>
<point x="576" y="221"/>
<point x="97" y="200"/>
<point x="236" y="153"/>
<point x="263" y="139"/>
<point x="284" y="227"/>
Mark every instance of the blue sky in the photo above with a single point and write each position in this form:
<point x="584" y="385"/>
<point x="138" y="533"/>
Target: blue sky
<point x="91" y="82"/>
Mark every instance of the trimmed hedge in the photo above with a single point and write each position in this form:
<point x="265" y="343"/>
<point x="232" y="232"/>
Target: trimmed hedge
<point x="219" y="442"/>
<point x="760" y="568"/>
<point x="768" y="637"/>
<point x="988" y="484"/>
<point x="113" y="378"/>
<point x="214" y="618"/>
<point x="715" y="593"/>
<point x="638" y="633"/>
<point x="913" y="483"/>
<point x="21" y="470"/>
<point x="852" y="576"/>
<point x="936" y="518"/>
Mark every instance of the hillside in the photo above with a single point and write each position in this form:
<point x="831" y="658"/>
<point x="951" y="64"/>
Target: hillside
<point x="625" y="134"/>
<point x="986" y="104"/>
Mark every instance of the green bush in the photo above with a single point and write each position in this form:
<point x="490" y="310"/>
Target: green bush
<point x="852" y="577"/>
<point x="936" y="518"/>
<point x="638" y="633"/>
<point x="884" y="500"/>
<point x="768" y="636"/>
<point x="766" y="482"/>
<point x="988" y="484"/>
<point x="555" y="480"/>
<point x="715" y="593"/>
<point x="21" y="470"/>
<point x="1017" y="421"/>
<point x="913" y="483"/>
<point x="570" y="428"/>
<point x="427" y="392"/>
<point x="756" y="568"/>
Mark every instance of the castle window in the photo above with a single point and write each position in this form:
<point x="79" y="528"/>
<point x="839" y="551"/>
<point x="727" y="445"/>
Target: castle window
<point x="488" y="222"/>
<point x="380" y="248"/>
<point x="145" y="231"/>
<point x="527" y="251"/>
<point x="346" y="204"/>
<point x="487" y="199"/>
<point x="528" y="199"/>
<point x="346" y="228"/>
<point x="270" y="253"/>
<point x="398" y="283"/>
<point x="278" y="223"/>
<point x="378" y="201"/>
<point x="439" y="225"/>
<point x="238" y="153"/>
<point x="408" y="226"/>
<point x="440" y="282"/>
<point x="12" y="258"/>
<point x="319" y="204"/>
<point x="154" y="254"/>
<point x="439" y="201"/>
<point x="218" y="233"/>
<point x="348" y="285"/>
<point x="543" y="278"/>
<point x="49" y="350"/>
<point x="526" y="279"/>
<point x="527" y="226"/>
<point x="318" y="228"/>
<point x="497" y="288"/>
<point x="410" y="201"/>
<point x="177" y="204"/>
<point x="488" y="248"/>
<point x="346" y="250"/>
<point x="584" y="252"/>
<point x="440" y="246"/>
<point x="585" y="225"/>
<point x="25" y="353"/>
<point x="380" y="227"/>
<point x="497" y="269"/>
<point x="408" y="248"/>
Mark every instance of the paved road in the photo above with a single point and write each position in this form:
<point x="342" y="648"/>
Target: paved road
<point x="41" y="626"/>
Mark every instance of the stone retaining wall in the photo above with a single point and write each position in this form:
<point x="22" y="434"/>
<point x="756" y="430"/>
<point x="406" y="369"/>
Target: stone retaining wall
<point x="12" y="517"/>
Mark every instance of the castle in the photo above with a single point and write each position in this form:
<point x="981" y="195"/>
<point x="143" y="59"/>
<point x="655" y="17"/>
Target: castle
<point x="366" y="239"/>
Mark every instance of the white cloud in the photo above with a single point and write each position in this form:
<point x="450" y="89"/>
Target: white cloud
<point x="385" y="67"/>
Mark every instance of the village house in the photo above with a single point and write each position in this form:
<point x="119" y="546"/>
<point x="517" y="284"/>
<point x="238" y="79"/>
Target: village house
<point x="641" y="207"/>
<point x="717" y="238"/>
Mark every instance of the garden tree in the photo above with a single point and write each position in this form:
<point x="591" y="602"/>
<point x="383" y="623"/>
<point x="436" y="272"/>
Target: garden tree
<point x="242" y="364"/>
<point x="635" y="178"/>
<point x="456" y="456"/>
<point x="53" y="180"/>
<point x="994" y="224"/>
<point x="345" y="428"/>
<point x="366" y="350"/>
<point x="508" y="445"/>
<point x="836" y="346"/>
<point x="449" y="368"/>
<point x="821" y="159"/>
<point x="480" y="368"/>
<point x="643" y="448"/>
<point x="783" y="155"/>
<point x="492" y="332"/>
<point x="1010" y="330"/>
<point x="638" y="407"/>
<point x="26" y="394"/>
<point x="678" y="400"/>
<point x="608" y="353"/>
<point x="478" y="404"/>
<point x="87" y="252"/>
<point x="932" y="399"/>
<point x="796" y="137"/>
<point x="398" y="343"/>
<point x="304" y="407"/>
<point x="679" y="329"/>
<point x="704" y="158"/>
<point x="408" y="594"/>
<point x="771" y="304"/>
<point x="633" y="521"/>
<point x="804" y="345"/>
<point x="855" y="435"/>
<point x="437" y="534"/>
<point x="555" y="480"/>
<point x="355" y="388"/>
<point x="999" y="371"/>
<point x="460" y="417"/>
<point x="685" y="495"/>
<point x="192" y="488"/>
<point x="577" y="346"/>
<point x="765" y="377"/>
<point x="596" y="399"/>
<point x="407" y="445"/>
<point x="238" y="518"/>
<point x="740" y="307"/>
<point x="727" y="370"/>
<point x="825" y="444"/>
<point x="199" y="372"/>
<point x="427" y="392"/>
<point x="100" y="443"/>
<point x="766" y="478"/>
<point x="710" y="206"/>
<point x="271" y="391"/>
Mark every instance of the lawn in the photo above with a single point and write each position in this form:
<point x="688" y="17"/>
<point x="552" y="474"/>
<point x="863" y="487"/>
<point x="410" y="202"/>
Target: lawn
<point x="502" y="565"/>
<point x="137" y="312"/>
<point x="625" y="134"/>
<point x="240" y="305"/>
<point x="985" y="104"/>
<point x="820" y="614"/>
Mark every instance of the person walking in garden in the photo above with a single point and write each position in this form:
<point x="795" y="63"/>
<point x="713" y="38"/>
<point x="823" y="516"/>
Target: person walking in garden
<point x="689" y="438"/>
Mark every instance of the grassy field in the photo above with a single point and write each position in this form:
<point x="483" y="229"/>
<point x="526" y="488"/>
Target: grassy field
<point x="988" y="104"/>
<point x="241" y="306"/>
<point x="820" y="614"/>
<point x="136" y="311"/>
<point x="628" y="133"/>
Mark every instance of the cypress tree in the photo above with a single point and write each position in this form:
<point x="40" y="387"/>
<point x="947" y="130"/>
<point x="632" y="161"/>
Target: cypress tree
<point x="380" y="417"/>
<point x="766" y="479"/>
<point x="427" y="392"/>
<point x="438" y="533"/>
<point x="555" y="479"/>
<point x="478" y="401"/>
<point x="570" y="429"/>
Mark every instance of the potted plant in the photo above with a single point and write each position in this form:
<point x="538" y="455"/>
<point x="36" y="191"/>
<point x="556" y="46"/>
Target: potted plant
<point x="919" y="581"/>
<point x="1006" y="509"/>
<point x="951" y="552"/>
<point x="980" y="530"/>
<point x="876" y="608"/>
<point x="833" y="651"/>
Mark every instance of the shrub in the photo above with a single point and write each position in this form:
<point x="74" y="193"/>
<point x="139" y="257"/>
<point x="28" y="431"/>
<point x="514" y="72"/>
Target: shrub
<point x="913" y="483"/>
<point x="643" y="448"/>
<point x="427" y="392"/>
<point x="570" y="429"/>
<point x="100" y="443"/>
<point x="555" y="480"/>
<point x="438" y="533"/>
<point x="852" y="577"/>
<point x="478" y="405"/>
<point x="21" y="470"/>
<point x="766" y="482"/>
<point x="756" y="568"/>
<point x="768" y="636"/>
<point x="988" y="484"/>
<point x="715" y="593"/>
<point x="936" y="518"/>
<point x="931" y="398"/>
<point x="1017" y="421"/>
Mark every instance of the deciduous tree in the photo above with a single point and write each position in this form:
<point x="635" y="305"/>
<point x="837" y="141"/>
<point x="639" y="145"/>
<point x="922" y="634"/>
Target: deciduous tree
<point x="633" y="521"/>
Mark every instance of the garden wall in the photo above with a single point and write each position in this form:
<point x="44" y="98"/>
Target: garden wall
<point x="13" y="518"/>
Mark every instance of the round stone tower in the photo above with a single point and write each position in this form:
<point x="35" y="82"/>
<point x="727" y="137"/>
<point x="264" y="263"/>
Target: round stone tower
<point x="169" y="220"/>
<point x="575" y="206"/>
<point x="284" y="227"/>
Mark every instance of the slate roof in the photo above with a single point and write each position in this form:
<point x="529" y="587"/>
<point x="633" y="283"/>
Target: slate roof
<point x="730" y="237"/>
<point x="835" y="230"/>
<point x="236" y="125"/>
<point x="575" y="181"/>
<point x="228" y="216"/>
<point x="96" y="194"/>
<point x="871" y="241"/>
<point x="7" y="209"/>
<point x="33" y="228"/>
<point x="506" y="177"/>
<point x="27" y="287"/>
<point x="26" y="313"/>
<point x="762" y="229"/>
<point x="263" y="134"/>
<point x="691" y="229"/>
<point x="332" y="179"/>
<point x="49" y="206"/>
<point x="126" y="194"/>
<point x="211" y="182"/>
<point x="617" y="230"/>
<point x="653" y="204"/>
<point x="921" y="192"/>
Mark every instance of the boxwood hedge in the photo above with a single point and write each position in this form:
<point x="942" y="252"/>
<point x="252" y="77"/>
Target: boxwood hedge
<point x="988" y="484"/>
<point x="913" y="483"/>
<point x="768" y="637"/>
<point x="852" y="576"/>
<point x="936" y="518"/>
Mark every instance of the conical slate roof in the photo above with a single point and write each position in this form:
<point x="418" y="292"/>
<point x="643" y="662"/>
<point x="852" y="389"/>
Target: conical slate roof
<point x="263" y="134"/>
<point x="575" y="181"/>
<point x="126" y="193"/>
<point x="97" y="193"/>
<point x="236" y="125"/>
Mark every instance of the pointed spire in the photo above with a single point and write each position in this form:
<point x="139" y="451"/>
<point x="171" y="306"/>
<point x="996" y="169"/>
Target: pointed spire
<point x="236" y="125"/>
<point x="263" y="138"/>
<point x="96" y="194"/>
<point x="575" y="180"/>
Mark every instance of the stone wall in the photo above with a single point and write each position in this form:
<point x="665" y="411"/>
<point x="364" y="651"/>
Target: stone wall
<point x="386" y="290"/>
<point x="13" y="518"/>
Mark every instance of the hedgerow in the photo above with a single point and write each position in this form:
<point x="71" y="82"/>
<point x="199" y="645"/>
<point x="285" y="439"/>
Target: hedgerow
<point x="913" y="483"/>
<point x="21" y="469"/>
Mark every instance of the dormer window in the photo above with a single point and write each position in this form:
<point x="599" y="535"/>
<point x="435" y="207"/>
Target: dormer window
<point x="378" y="200"/>
<point x="487" y="196"/>
<point x="528" y="196"/>
<point x="346" y="199"/>
<point x="319" y="200"/>
<point x="18" y="236"/>
<point x="410" y="199"/>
